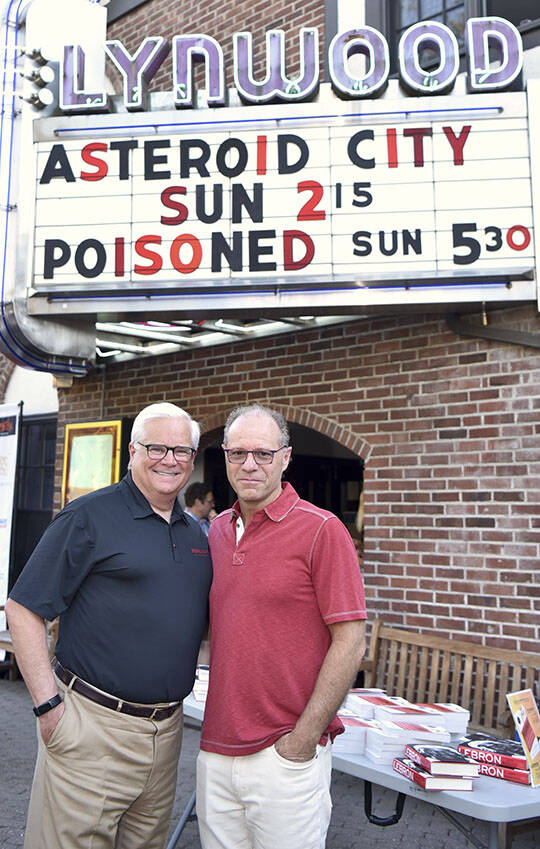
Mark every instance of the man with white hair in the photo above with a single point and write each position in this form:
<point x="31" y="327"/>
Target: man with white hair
<point x="129" y="575"/>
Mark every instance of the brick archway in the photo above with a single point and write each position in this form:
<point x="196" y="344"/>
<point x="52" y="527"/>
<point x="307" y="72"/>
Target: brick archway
<point x="316" y="422"/>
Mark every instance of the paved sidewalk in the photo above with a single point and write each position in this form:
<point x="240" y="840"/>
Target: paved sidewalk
<point x="421" y="824"/>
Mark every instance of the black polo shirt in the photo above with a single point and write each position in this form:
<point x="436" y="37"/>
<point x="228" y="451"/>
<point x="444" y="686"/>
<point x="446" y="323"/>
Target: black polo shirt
<point x="131" y="591"/>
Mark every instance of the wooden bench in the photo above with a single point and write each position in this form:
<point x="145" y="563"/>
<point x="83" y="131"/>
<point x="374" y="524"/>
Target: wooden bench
<point x="428" y="668"/>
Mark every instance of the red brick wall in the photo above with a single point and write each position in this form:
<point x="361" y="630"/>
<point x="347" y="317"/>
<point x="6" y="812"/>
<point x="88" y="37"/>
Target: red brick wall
<point x="448" y="428"/>
<point x="220" y="19"/>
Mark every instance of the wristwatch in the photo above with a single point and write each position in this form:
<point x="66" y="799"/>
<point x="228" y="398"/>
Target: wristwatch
<point x="39" y="710"/>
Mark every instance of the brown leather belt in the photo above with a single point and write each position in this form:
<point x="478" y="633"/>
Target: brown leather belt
<point x="118" y="705"/>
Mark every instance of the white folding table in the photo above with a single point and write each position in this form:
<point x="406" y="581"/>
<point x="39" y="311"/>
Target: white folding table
<point x="492" y="800"/>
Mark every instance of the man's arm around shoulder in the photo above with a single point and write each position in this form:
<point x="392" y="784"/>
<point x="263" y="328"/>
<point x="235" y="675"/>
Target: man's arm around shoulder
<point x="29" y="637"/>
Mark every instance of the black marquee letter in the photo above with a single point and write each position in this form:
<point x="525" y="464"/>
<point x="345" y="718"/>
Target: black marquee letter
<point x="284" y="166"/>
<point x="352" y="149"/>
<point x="223" y="150"/>
<point x="187" y="162"/>
<point x="256" y="250"/>
<point x="101" y="258"/>
<point x="51" y="262"/>
<point x="123" y="148"/>
<point x="231" y="253"/>
<point x="151" y="160"/>
<point x="57" y="165"/>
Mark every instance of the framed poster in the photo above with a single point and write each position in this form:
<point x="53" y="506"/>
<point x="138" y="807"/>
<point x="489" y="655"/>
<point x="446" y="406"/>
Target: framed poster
<point x="91" y="457"/>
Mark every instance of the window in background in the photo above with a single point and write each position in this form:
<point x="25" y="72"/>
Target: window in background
<point x="449" y="12"/>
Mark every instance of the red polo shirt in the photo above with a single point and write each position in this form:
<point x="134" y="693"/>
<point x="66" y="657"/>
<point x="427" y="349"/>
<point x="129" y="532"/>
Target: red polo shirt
<point x="294" y="572"/>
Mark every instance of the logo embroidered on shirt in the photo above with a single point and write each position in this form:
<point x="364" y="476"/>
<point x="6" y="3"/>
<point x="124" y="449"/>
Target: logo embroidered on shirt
<point x="203" y="551"/>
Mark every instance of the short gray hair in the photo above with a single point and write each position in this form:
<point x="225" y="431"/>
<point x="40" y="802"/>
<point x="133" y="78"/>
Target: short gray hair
<point x="160" y="411"/>
<point x="258" y="410"/>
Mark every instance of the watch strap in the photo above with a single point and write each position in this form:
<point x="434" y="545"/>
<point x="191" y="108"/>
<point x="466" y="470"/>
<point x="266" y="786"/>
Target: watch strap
<point x="39" y="710"/>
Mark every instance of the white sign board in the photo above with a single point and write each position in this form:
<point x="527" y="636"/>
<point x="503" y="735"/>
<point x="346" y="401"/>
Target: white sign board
<point x="442" y="191"/>
<point x="9" y="430"/>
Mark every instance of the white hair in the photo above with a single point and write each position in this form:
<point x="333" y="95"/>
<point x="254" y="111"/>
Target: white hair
<point x="161" y="411"/>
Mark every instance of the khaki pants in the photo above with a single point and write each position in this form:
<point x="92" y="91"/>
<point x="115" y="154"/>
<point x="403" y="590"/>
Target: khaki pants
<point x="105" y="780"/>
<point x="263" y="801"/>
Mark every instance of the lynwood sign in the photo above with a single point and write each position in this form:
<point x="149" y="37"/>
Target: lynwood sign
<point x="485" y="39"/>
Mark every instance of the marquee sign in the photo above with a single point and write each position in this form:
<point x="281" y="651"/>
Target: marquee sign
<point x="291" y="198"/>
<point x="346" y="198"/>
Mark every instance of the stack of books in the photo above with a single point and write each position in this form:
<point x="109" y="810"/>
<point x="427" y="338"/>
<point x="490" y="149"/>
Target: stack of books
<point x="200" y="687"/>
<point x="386" y="740"/>
<point x="437" y="767"/>
<point x="371" y="704"/>
<point x="497" y="758"/>
<point x="364" y="703"/>
<point x="353" y="739"/>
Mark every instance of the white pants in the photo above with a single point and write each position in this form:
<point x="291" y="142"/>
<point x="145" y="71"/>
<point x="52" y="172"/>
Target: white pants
<point x="264" y="801"/>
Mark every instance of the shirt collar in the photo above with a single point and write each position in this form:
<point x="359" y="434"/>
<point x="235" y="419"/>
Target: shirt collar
<point x="139" y="506"/>
<point x="277" y="509"/>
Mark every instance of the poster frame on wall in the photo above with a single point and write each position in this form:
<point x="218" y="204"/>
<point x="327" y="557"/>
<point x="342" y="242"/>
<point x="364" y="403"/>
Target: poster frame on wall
<point x="79" y="475"/>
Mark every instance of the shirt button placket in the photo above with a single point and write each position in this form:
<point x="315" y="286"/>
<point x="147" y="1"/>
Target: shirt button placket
<point x="174" y="547"/>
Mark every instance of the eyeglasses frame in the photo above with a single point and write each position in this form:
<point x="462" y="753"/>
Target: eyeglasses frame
<point x="272" y="451"/>
<point x="171" y="448"/>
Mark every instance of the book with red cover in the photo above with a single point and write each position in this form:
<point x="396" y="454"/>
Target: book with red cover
<point x="424" y="779"/>
<point x="441" y="760"/>
<point x="520" y="776"/>
<point x="487" y="749"/>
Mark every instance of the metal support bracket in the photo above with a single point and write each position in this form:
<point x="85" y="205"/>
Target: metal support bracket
<point x="373" y="818"/>
<point x="188" y="816"/>
<point x="463" y="828"/>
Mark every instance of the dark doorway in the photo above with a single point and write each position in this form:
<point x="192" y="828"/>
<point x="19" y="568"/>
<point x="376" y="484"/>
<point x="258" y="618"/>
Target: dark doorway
<point x="333" y="483"/>
<point x="34" y="488"/>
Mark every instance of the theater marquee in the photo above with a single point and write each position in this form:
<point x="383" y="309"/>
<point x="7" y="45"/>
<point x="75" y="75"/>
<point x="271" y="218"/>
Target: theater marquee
<point x="441" y="192"/>
<point x="280" y="197"/>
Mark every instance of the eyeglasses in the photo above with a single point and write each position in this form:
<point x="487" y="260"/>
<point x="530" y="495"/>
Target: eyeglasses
<point x="262" y="456"/>
<point x="181" y="453"/>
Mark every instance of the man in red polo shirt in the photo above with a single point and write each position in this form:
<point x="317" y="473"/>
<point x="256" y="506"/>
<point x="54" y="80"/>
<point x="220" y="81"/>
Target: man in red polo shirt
<point x="287" y="615"/>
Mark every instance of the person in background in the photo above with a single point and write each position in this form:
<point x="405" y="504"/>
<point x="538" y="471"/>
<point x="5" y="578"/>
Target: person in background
<point x="287" y="615"/>
<point x="199" y="500"/>
<point x="128" y="574"/>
